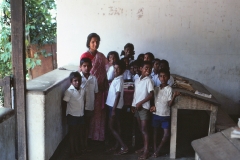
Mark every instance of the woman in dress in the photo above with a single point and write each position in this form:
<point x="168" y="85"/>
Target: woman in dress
<point x="99" y="62"/>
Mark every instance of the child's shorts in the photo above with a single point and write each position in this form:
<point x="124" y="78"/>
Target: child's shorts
<point x="74" y="120"/>
<point x="163" y="121"/>
<point x="143" y="114"/>
<point x="88" y="113"/>
<point x="117" y="112"/>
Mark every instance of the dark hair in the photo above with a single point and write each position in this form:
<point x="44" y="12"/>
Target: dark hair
<point x="122" y="59"/>
<point x="137" y="63"/>
<point x="74" y="75"/>
<point x="121" y="65"/>
<point x="164" y="70"/>
<point x="150" y="55"/>
<point x="165" y="62"/>
<point x="145" y="63"/>
<point x="131" y="46"/>
<point x="85" y="60"/>
<point x="115" y="55"/>
<point x="90" y="36"/>
<point x="140" y="56"/>
<point x="156" y="60"/>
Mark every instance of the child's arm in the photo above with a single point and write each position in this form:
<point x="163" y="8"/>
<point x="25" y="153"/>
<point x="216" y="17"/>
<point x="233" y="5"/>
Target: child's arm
<point x="139" y="104"/>
<point x="175" y="94"/>
<point x="118" y="94"/>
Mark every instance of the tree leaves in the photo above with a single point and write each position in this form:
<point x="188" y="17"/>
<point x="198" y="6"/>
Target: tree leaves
<point x="40" y="29"/>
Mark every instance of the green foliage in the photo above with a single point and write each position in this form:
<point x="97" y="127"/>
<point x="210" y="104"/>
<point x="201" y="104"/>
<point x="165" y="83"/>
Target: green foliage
<point x="40" y="29"/>
<point x="5" y="41"/>
<point x="41" y="21"/>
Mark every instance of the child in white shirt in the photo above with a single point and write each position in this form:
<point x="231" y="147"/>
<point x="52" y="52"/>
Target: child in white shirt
<point x="161" y="110"/>
<point x="126" y="74"/>
<point x="165" y="65"/>
<point x="141" y="104"/>
<point x="112" y="58"/>
<point x="74" y="96"/>
<point x="115" y="104"/>
<point x="155" y="70"/>
<point x="90" y="86"/>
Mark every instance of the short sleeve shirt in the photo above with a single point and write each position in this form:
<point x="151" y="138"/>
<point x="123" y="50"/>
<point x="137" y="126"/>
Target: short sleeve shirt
<point x="142" y="88"/>
<point x="155" y="79"/>
<point x="116" y="86"/>
<point x="127" y="75"/>
<point x="90" y="87"/>
<point x="162" y="97"/>
<point x="75" y="101"/>
<point x="110" y="73"/>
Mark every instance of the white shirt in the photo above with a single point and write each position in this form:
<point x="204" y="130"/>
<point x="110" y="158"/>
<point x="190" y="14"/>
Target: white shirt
<point x="75" y="101"/>
<point x="142" y="88"/>
<point x="155" y="79"/>
<point x="136" y="77"/>
<point x="90" y="87"/>
<point x="157" y="82"/>
<point x="110" y="73"/>
<point x="162" y="97"/>
<point x="116" y="86"/>
<point x="127" y="75"/>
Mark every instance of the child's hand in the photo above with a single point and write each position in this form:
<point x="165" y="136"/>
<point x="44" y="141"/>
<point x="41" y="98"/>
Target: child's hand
<point x="133" y="109"/>
<point x="153" y="109"/>
<point x="139" y="106"/>
<point x="113" y="113"/>
<point x="176" y="93"/>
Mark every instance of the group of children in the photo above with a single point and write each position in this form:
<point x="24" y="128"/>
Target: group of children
<point x="152" y="94"/>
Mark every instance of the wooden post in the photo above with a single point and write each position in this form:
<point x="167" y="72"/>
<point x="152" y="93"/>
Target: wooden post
<point x="173" y="139"/>
<point x="19" y="73"/>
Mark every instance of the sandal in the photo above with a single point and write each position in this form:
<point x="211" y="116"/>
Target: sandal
<point x="122" y="151"/>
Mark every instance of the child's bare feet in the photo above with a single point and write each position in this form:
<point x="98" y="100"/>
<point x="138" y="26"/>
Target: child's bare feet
<point x="145" y="155"/>
<point x="111" y="149"/>
<point x="139" y="151"/>
<point x="122" y="151"/>
<point x="155" y="155"/>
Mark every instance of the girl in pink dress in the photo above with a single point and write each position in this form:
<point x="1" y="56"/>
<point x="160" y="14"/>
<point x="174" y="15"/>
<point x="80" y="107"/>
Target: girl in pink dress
<point x="99" y="62"/>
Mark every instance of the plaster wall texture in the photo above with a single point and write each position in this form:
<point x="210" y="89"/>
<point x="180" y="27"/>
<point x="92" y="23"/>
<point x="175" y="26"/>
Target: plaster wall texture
<point x="45" y="113"/>
<point x="7" y="139"/>
<point x="200" y="39"/>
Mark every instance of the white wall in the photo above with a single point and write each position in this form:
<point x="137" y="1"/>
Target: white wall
<point x="200" y="38"/>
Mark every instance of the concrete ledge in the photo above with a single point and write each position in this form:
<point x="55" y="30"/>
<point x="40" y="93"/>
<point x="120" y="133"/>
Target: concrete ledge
<point x="46" y="120"/>
<point x="50" y="80"/>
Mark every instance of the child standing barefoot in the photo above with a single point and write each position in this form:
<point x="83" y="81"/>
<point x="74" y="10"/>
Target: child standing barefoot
<point x="115" y="104"/>
<point x="161" y="110"/>
<point x="141" y="104"/>
<point x="74" y="96"/>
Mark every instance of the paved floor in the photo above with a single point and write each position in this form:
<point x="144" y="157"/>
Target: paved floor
<point x="191" y="125"/>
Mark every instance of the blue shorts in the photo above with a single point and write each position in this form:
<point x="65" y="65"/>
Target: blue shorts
<point x="74" y="120"/>
<point x="117" y="112"/>
<point x="163" y="121"/>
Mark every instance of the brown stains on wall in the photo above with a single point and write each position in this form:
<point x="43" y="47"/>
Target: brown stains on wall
<point x="115" y="11"/>
<point x="140" y="13"/>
